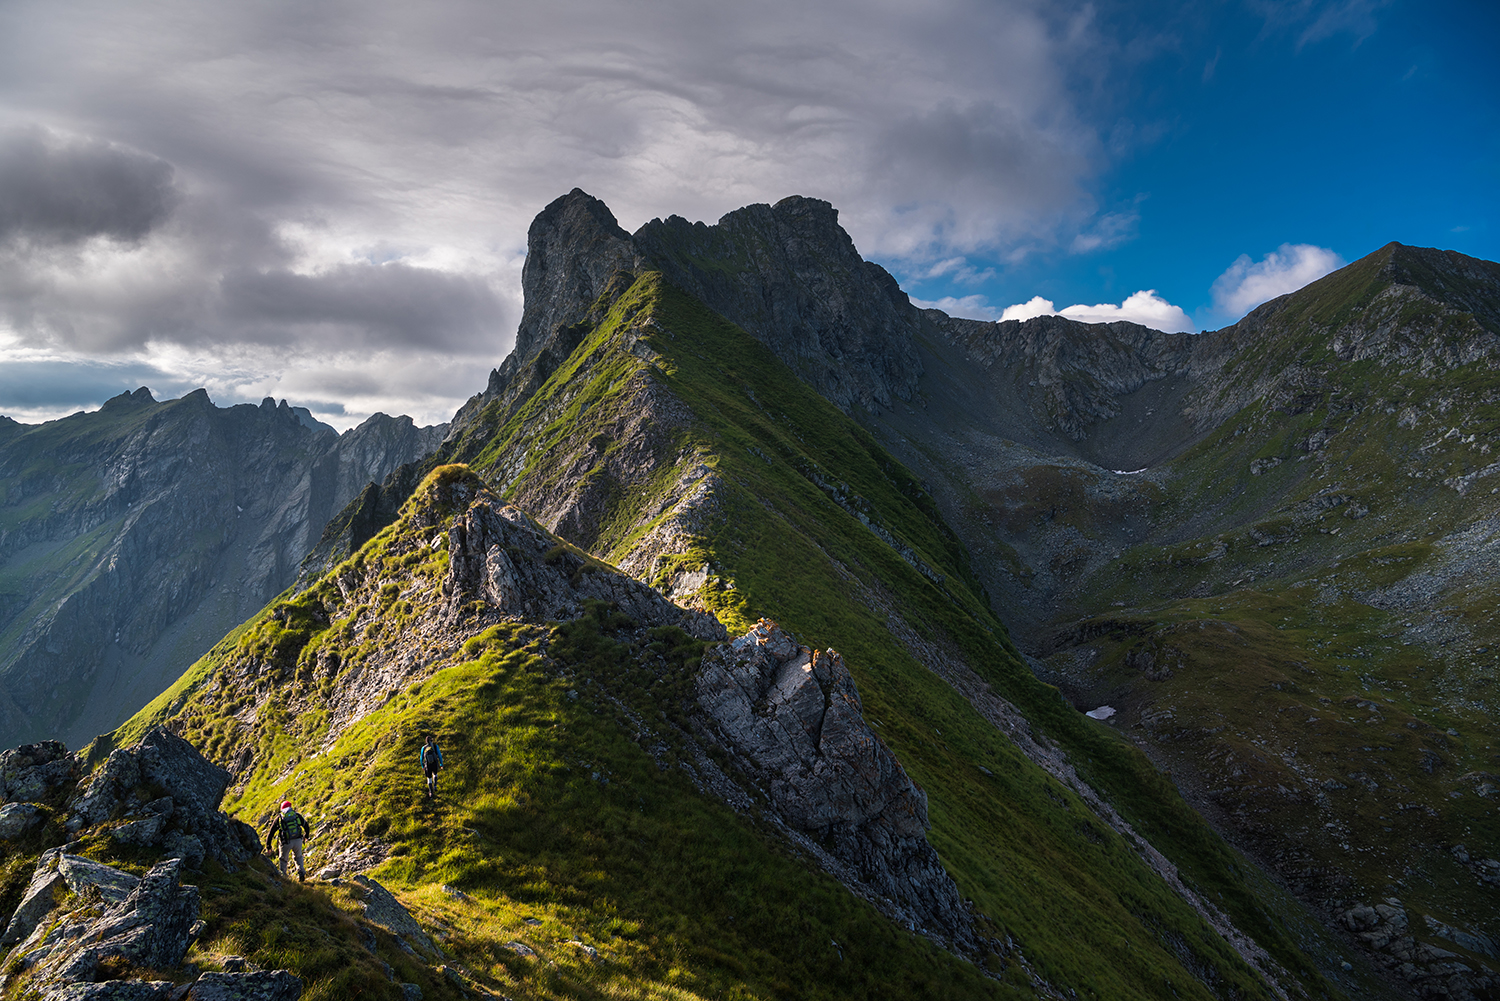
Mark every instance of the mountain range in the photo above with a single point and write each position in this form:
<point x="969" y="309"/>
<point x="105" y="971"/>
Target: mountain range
<point x="134" y="537"/>
<point x="758" y="609"/>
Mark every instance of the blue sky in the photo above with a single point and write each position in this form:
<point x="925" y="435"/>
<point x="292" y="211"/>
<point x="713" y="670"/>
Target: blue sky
<point x="328" y="203"/>
<point x="1250" y="127"/>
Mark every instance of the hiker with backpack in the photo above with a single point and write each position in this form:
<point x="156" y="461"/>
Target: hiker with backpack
<point x="431" y="757"/>
<point x="293" y="830"/>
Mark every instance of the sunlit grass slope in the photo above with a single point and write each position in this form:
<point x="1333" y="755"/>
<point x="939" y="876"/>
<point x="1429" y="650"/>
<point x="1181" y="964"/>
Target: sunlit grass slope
<point x="791" y="544"/>
<point x="553" y="813"/>
<point x="560" y="830"/>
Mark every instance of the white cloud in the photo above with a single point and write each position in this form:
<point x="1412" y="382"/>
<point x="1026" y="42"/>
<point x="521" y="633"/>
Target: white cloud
<point x="1035" y="306"/>
<point x="1246" y="284"/>
<point x="1145" y="307"/>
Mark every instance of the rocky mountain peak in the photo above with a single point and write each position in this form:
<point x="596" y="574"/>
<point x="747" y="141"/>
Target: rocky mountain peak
<point x="787" y="273"/>
<point x="790" y="275"/>
<point x="135" y="399"/>
<point x="572" y="248"/>
<point x="1464" y="283"/>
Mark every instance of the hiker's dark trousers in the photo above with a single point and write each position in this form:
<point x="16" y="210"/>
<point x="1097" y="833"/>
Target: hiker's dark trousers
<point x="431" y="781"/>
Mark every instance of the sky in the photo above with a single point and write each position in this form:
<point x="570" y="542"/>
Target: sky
<point x="328" y="203"/>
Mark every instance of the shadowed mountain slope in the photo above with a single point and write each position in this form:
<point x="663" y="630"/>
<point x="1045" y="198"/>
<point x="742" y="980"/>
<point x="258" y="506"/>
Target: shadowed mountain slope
<point x="1271" y="548"/>
<point x="132" y="538"/>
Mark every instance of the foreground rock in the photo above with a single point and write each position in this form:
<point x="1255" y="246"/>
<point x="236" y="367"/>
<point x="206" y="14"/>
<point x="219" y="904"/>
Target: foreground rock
<point x="30" y="772"/>
<point x="1385" y="929"/>
<point x="791" y="719"/>
<point x="185" y="821"/>
<point x="80" y="921"/>
<point x="383" y="909"/>
<point x="150" y="928"/>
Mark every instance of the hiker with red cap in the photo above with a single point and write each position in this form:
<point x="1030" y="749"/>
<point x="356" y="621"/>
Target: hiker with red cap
<point x="293" y="829"/>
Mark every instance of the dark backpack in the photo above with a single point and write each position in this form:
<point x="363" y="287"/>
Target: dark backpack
<point x="292" y="825"/>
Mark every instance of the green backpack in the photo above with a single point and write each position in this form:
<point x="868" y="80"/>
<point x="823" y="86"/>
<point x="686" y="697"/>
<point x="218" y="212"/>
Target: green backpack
<point x="292" y="825"/>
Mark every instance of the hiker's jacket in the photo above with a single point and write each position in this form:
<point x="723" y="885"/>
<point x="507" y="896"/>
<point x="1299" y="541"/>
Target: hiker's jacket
<point x="290" y="825"/>
<point x="431" y="762"/>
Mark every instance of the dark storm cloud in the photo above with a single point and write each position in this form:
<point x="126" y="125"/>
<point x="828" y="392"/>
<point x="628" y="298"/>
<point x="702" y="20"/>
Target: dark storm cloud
<point x="67" y="191"/>
<point x="381" y="304"/>
<point x="287" y="145"/>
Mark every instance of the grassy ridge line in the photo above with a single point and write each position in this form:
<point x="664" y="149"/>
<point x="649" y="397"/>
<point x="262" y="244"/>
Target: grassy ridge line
<point x="781" y="410"/>
<point x="560" y="828"/>
<point x="784" y="546"/>
<point x="552" y="810"/>
<point x="1065" y="879"/>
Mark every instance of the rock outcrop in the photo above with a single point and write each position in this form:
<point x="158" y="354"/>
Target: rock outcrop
<point x="150" y="928"/>
<point x="81" y="924"/>
<point x="383" y="909"/>
<point x="113" y="918"/>
<point x="499" y="556"/>
<point x="791" y="719"/>
<point x="162" y="792"/>
<point x="790" y="275"/>
<point x="29" y="773"/>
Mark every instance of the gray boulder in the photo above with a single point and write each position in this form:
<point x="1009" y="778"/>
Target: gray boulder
<point x="792" y="721"/>
<point x="145" y="831"/>
<point x="275" y="985"/>
<point x="54" y="870"/>
<point x="39" y="899"/>
<point x="31" y="771"/>
<point x="185" y="820"/>
<point x="384" y="910"/>
<point x="84" y="875"/>
<point x="151" y="927"/>
<point x="17" y="818"/>
<point x="113" y="990"/>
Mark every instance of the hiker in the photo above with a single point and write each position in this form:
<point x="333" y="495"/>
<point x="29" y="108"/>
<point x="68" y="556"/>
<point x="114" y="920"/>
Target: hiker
<point x="294" y="830"/>
<point x="431" y="757"/>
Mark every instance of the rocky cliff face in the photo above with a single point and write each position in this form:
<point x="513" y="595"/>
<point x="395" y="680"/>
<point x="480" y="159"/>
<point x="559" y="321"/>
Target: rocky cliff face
<point x="132" y="538"/>
<point x="787" y="273"/>
<point x="792" y="719"/>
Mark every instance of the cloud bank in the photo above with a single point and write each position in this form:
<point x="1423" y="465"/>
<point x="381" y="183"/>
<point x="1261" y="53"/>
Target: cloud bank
<point x="60" y="191"/>
<point x="1144" y="307"/>
<point x="1246" y="284"/>
<point x="267" y="185"/>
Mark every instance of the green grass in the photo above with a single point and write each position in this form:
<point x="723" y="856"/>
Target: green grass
<point x="787" y="546"/>
<point x="815" y="526"/>
<point x="1273" y="666"/>
<point x="554" y="811"/>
